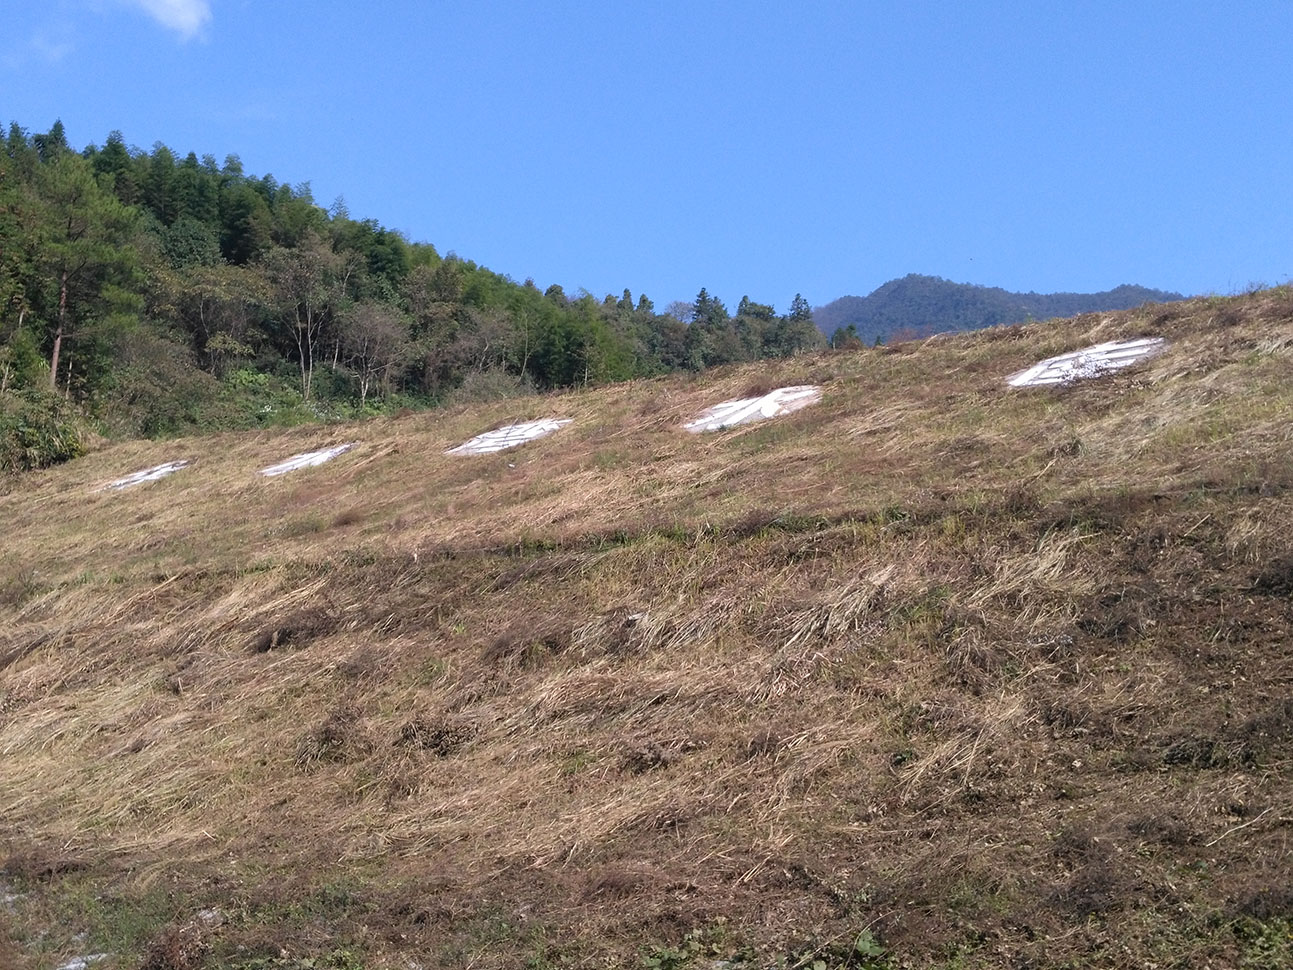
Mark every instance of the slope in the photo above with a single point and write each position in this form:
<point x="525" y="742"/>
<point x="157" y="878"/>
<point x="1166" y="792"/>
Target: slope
<point x="932" y="673"/>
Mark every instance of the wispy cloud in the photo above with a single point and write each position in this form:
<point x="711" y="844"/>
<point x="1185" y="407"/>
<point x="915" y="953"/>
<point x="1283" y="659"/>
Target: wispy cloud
<point x="45" y="47"/>
<point x="50" y="50"/>
<point x="185" y="17"/>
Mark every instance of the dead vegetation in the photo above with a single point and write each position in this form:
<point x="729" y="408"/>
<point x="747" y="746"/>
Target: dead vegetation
<point x="932" y="673"/>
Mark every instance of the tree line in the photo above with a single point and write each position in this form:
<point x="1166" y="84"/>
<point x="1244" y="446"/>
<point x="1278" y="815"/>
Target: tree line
<point x="161" y="294"/>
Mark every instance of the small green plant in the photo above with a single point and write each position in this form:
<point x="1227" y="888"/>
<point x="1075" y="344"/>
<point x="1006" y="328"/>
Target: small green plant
<point x="340" y="959"/>
<point x="576" y="761"/>
<point x="667" y="957"/>
<point x="709" y="944"/>
<point x="1266" y="944"/>
<point x="865" y="953"/>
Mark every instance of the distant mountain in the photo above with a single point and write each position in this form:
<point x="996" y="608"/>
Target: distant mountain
<point x="922" y="305"/>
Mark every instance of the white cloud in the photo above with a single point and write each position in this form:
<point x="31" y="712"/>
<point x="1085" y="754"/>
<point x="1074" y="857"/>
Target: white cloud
<point x="49" y="50"/>
<point x="186" y="17"/>
<point x="45" y="47"/>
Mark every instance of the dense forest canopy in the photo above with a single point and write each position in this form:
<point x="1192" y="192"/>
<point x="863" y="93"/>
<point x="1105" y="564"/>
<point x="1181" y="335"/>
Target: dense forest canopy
<point x="922" y="305"/>
<point x="161" y="293"/>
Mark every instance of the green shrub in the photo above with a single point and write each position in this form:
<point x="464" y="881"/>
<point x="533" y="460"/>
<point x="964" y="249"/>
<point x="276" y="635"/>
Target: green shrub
<point x="38" y="429"/>
<point x="21" y="363"/>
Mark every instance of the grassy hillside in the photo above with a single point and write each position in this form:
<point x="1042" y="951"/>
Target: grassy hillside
<point x="935" y="673"/>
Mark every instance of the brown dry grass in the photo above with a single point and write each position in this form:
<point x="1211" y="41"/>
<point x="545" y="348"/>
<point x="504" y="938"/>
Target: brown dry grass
<point x="998" y="676"/>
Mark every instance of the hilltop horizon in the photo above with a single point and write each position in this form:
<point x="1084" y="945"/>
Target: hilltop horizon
<point x="921" y="305"/>
<point x="524" y="271"/>
<point x="158" y="294"/>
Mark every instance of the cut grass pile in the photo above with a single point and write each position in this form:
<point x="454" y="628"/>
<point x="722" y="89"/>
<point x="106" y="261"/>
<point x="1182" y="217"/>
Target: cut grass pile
<point x="932" y="673"/>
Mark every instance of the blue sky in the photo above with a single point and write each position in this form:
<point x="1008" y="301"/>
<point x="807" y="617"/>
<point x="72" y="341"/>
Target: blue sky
<point x="751" y="147"/>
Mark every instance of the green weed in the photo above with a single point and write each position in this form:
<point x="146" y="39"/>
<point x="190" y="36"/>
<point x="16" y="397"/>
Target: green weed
<point x="340" y="959"/>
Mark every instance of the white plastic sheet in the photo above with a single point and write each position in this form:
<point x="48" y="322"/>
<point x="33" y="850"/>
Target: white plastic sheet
<point x="509" y="436"/>
<point x="147" y="475"/>
<point x="306" y="460"/>
<point x="1093" y="361"/>
<point x="783" y="400"/>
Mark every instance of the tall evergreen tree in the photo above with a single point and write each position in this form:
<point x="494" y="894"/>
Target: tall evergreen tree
<point x="80" y="248"/>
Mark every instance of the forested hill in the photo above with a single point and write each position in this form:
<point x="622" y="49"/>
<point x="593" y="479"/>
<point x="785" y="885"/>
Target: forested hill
<point x="158" y="293"/>
<point x="922" y="305"/>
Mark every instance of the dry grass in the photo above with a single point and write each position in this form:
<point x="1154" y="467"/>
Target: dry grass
<point x="999" y="676"/>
